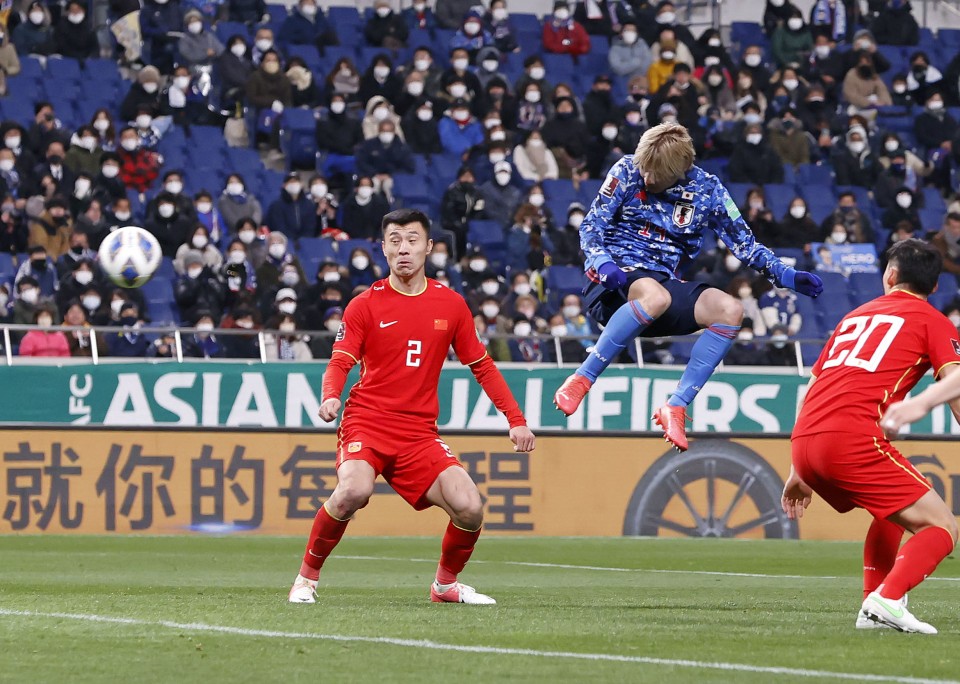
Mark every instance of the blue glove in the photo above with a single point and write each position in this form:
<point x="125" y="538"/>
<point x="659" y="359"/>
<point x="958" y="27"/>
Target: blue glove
<point x="611" y="277"/>
<point x="803" y="282"/>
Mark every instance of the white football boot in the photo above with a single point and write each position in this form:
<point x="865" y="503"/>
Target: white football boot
<point x="459" y="593"/>
<point x="303" y="591"/>
<point x="892" y="613"/>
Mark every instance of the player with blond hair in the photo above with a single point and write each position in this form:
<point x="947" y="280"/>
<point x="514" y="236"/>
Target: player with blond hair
<point x="647" y="222"/>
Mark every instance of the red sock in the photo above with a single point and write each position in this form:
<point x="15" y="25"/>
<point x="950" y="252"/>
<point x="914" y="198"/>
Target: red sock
<point x="918" y="558"/>
<point x="455" y="551"/>
<point x="324" y="535"/>
<point x="879" y="552"/>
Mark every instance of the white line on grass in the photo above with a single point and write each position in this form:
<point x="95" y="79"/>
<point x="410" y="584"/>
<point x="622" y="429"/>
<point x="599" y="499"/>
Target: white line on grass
<point x="601" y="568"/>
<point x="460" y="648"/>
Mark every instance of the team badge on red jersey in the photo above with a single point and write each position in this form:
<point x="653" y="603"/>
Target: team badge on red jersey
<point x="956" y="346"/>
<point x="341" y="332"/>
<point x="439" y="323"/>
<point x="609" y="186"/>
<point x="683" y="214"/>
<point x="354" y="447"/>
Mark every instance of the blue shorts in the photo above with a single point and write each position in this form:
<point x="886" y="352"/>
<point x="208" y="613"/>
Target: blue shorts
<point x="678" y="319"/>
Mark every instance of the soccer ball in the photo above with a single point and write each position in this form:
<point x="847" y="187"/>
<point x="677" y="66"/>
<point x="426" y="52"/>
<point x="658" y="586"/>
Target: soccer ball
<point x="130" y="256"/>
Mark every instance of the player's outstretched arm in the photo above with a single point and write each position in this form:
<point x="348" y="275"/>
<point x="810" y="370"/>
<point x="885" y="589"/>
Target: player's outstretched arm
<point x="797" y="495"/>
<point x="913" y="409"/>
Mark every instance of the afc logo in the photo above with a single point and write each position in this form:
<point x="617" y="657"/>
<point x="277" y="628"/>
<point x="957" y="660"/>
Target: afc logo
<point x="682" y="214"/>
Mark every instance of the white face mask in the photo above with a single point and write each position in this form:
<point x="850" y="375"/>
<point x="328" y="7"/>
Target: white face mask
<point x="364" y="192"/>
<point x="36" y="18"/>
<point x="571" y="311"/>
<point x="264" y="44"/>
<point x="532" y="96"/>
<point x="237" y="256"/>
<point x="381" y="113"/>
<point x="609" y="132"/>
<point x="287" y="308"/>
<point x="387" y="137"/>
<point x="318" y="190"/>
<point x="293" y="189"/>
<point x="633" y="118"/>
<point x="502" y="178"/>
<point x="234" y="188"/>
<point x="731" y="262"/>
<point x="424" y="114"/>
<point x="276" y="250"/>
<point x="461" y="64"/>
<point x="83" y="277"/>
<point x="331" y="277"/>
<point x="791" y="84"/>
<point x="562" y="14"/>
<point x="576" y="220"/>
<point x="122" y="215"/>
<point x="478" y="265"/>
<point x="333" y="325"/>
<point x="795" y="23"/>
<point x="899" y="88"/>
<point x="839" y="237"/>
<point x="150" y="88"/>
<point x="247" y="236"/>
<point x="30" y="295"/>
<point x="500" y="13"/>
<point x="489" y="287"/>
<point x="200" y="241"/>
<point x="12" y="142"/>
<point x="744" y="293"/>
<point x="439" y="259"/>
<point x="419" y="7"/>
<point x="421" y="64"/>
<point x="81" y="187"/>
<point x="498" y="135"/>
<point x="745" y="336"/>
<point x="522" y="289"/>
<point x="194" y="273"/>
<point x="244" y="323"/>
<point x="415" y="88"/>
<point x="752" y="60"/>
<point x="536" y="200"/>
<point x="195" y="27"/>
<point x="471" y="28"/>
<point x="537" y="73"/>
<point x="290" y="278"/>
<point x="204" y="327"/>
<point x="798" y="211"/>
<point x="88" y="142"/>
<point x="204" y="207"/>
<point x="496" y="157"/>
<point x="238" y="49"/>
<point x="6" y="165"/>
<point x="666" y="17"/>
<point x="182" y="82"/>
<point x="490" y="310"/>
<point x="711" y="61"/>
<point x="904" y="200"/>
<point x="383" y="12"/>
<point x="667" y="55"/>
<point x="338" y="106"/>
<point x="116" y="305"/>
<point x="714" y="42"/>
<point x="165" y="210"/>
<point x="490" y="65"/>
<point x="558" y="330"/>
<point x="360" y="263"/>
<point x="754" y="138"/>
<point x="110" y="171"/>
<point x="629" y="37"/>
<point x="173" y="187"/>
<point x="144" y="121"/>
<point x="715" y="80"/>
<point x="857" y="146"/>
<point x="935" y="105"/>
<point x="822" y="51"/>
<point x="381" y="72"/>
<point x="91" y="302"/>
<point x="522" y="329"/>
<point x="458" y="90"/>
<point x="891" y="145"/>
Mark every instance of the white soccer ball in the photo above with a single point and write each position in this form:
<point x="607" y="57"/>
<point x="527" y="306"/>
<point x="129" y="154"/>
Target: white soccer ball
<point x="130" y="256"/>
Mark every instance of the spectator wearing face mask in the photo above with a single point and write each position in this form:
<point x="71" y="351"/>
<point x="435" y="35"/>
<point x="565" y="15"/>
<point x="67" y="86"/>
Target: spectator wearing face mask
<point x="863" y="88"/>
<point x="279" y="259"/>
<point x="51" y="230"/>
<point x="791" y="41"/>
<point x="85" y="154"/>
<point x="604" y="17"/>
<point x="745" y="351"/>
<point x="286" y="345"/>
<point x="139" y="168"/>
<point x="363" y="210"/>
<point x="662" y="67"/>
<point x="143" y="93"/>
<point x="384" y="156"/>
<point x="847" y="214"/>
<point x="796" y="229"/>
<point x="198" y="289"/>
<point x="947" y="242"/>
<point x="200" y="241"/>
<point x="321" y="346"/>
<point x="79" y="252"/>
<point x="831" y="19"/>
<point x="108" y="186"/>
<point x="895" y="25"/>
<point x="471" y="36"/>
<point x="461" y="202"/>
<point x="934" y="127"/>
<point x="380" y="80"/>
<point x="854" y="163"/>
<point x="168" y="225"/>
<point x="161" y="23"/>
<point x="526" y="346"/>
<point x="236" y="203"/>
<point x="362" y="269"/>
<point x="234" y="68"/>
<point x="75" y="282"/>
<point x="130" y="342"/>
<point x="33" y="36"/>
<point x="420" y="16"/>
<point x="754" y="162"/>
<point x="775" y="14"/>
<point x="379" y="109"/>
<point x="292" y="213"/>
<point x="74" y="314"/>
<point x="45" y="341"/>
<point x="562" y="34"/>
<point x="778" y="306"/>
<point x="788" y="140"/>
<point x="245" y="344"/>
<point x="73" y="36"/>
<point x="306" y="25"/>
<point x="780" y="350"/>
<point x="576" y="323"/>
<point x="458" y="130"/>
<point x="567" y="136"/>
<point x="566" y="239"/>
<point x="534" y="160"/>
<point x="385" y="28"/>
<point x="203" y="344"/>
<point x="893" y="174"/>
<point x="421" y="129"/>
<point x="339" y="132"/>
<point x="903" y="209"/>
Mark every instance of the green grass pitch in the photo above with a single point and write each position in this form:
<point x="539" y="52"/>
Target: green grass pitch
<point x="213" y="609"/>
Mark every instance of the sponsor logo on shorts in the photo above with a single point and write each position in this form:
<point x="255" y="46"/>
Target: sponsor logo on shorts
<point x="341" y="332"/>
<point x="354" y="447"/>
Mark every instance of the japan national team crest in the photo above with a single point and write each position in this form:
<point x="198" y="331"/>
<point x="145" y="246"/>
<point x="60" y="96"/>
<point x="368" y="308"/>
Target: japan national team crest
<point x="683" y="214"/>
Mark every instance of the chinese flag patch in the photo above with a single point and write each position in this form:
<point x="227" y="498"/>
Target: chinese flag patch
<point x="439" y="323"/>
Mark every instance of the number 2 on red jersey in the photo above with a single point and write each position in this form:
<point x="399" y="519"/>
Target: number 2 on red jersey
<point x="859" y="335"/>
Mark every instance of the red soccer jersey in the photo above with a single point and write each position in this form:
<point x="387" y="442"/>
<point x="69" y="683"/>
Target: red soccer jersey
<point x="877" y="354"/>
<point x="401" y="342"/>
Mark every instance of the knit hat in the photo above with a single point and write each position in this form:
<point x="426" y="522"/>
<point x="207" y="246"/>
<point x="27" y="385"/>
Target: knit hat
<point x="193" y="256"/>
<point x="192" y="14"/>
<point x="149" y="74"/>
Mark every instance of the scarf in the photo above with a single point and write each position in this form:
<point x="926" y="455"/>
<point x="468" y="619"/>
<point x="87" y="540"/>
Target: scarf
<point x="346" y="85"/>
<point x="286" y="350"/>
<point x="824" y="14"/>
<point x="537" y="157"/>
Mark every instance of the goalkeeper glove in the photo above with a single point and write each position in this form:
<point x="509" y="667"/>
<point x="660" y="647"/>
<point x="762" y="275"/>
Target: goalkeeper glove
<point x="803" y="282"/>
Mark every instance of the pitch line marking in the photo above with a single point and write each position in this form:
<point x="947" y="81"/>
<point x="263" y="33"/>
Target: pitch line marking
<point x="601" y="568"/>
<point x="462" y="648"/>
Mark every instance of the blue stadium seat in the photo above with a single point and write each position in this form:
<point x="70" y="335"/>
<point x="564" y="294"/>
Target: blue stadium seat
<point x="158" y="290"/>
<point x="340" y="16"/>
<point x="7" y="267"/>
<point x="299" y="140"/>
<point x="484" y="233"/>
<point x="531" y="23"/>
<point x="161" y="313"/>
<point x="559" y="189"/>
<point x="559" y="67"/>
<point x="308" y="53"/>
<point x="166" y="269"/>
<point x="102" y="70"/>
<point x="949" y="39"/>
<point x="63" y="68"/>
<point x="718" y="167"/>
<point x="420" y="38"/>
<point x="779" y="197"/>
<point x="738" y="191"/>
<point x="931" y="219"/>
<point x="333" y="53"/>
<point x="444" y="169"/>
<point x="31" y="67"/>
<point x="564" y="280"/>
<point x="59" y="89"/>
<point x="412" y="187"/>
<point x="866" y="286"/>
<point x="17" y="109"/>
<point x="243" y="160"/>
<point x="946" y="291"/>
<point x="228" y="29"/>
<point x="932" y="199"/>
<point x="277" y="13"/>
<point x="314" y="251"/>
<point x="815" y="174"/>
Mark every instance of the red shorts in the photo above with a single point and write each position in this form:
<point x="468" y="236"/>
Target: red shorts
<point x="410" y="464"/>
<point x="858" y="471"/>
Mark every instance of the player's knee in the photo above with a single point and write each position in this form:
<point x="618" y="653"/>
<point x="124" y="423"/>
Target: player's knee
<point x="351" y="497"/>
<point x="655" y="300"/>
<point x="468" y="514"/>
<point x="730" y="312"/>
<point x="950" y="525"/>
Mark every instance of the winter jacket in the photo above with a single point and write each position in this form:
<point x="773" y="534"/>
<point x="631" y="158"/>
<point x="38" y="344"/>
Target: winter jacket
<point x="137" y="98"/>
<point x="363" y="220"/>
<point x="450" y="13"/>
<point x="263" y="89"/>
<point x="422" y="136"/>
<point x="569" y="38"/>
<point x="299" y="30"/>
<point x="373" y="157"/>
<point x="857" y="90"/>
<point x="860" y="170"/>
<point x="195" y="48"/>
<point x="32" y="40"/>
<point x="80" y="160"/>
<point x="75" y="41"/>
<point x="896" y="26"/>
<point x="138" y="169"/>
<point x="247" y="11"/>
<point x="170" y="232"/>
<point x="500" y="202"/>
<point x="790" y="47"/>
<point x="233" y="209"/>
<point x="44" y="343"/>
<point x="934" y="129"/>
<point x="629" y="60"/>
<point x="457" y="139"/>
<point x="44" y="231"/>
<point x="295" y="218"/>
<point x="393" y="26"/>
<point x="339" y="133"/>
<point x="203" y="293"/>
<point x="757" y="164"/>
<point x="793" y="149"/>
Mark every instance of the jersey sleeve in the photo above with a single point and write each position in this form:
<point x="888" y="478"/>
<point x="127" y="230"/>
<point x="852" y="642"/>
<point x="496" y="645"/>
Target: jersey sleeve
<point x="466" y="340"/>
<point x="353" y="330"/>
<point x="620" y="182"/>
<point x="733" y="231"/>
<point x="943" y="342"/>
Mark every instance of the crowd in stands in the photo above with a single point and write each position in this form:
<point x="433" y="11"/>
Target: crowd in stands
<point x="838" y="127"/>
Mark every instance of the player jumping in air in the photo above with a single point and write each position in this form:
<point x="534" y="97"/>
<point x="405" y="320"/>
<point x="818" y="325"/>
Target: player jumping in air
<point x="399" y="332"/>
<point x="877" y="354"/>
<point x="646" y="223"/>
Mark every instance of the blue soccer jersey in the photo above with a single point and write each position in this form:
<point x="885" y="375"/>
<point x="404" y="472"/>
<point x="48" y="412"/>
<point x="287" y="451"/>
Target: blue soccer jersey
<point x="662" y="232"/>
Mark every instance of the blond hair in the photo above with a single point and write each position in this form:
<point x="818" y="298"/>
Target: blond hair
<point x="665" y="152"/>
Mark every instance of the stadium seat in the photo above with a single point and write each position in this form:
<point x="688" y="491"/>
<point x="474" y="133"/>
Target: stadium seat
<point x="779" y="197"/>
<point x="560" y="67"/>
<point x="228" y="29"/>
<point x="932" y="199"/>
<point x="530" y="23"/>
<point x="559" y="189"/>
<point x="278" y="13"/>
<point x="31" y="67"/>
<point x="298" y="138"/>
<point x="7" y="267"/>
<point x="158" y="290"/>
<point x="866" y="286"/>
<point x="314" y="251"/>
<point x="485" y="233"/>
<point x="412" y="187"/>
<point x="815" y="174"/>
<point x="931" y="219"/>
<point x="63" y="68"/>
<point x="564" y="280"/>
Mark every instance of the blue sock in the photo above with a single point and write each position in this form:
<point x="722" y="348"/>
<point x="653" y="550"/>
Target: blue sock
<point x="707" y="354"/>
<point x="625" y="324"/>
